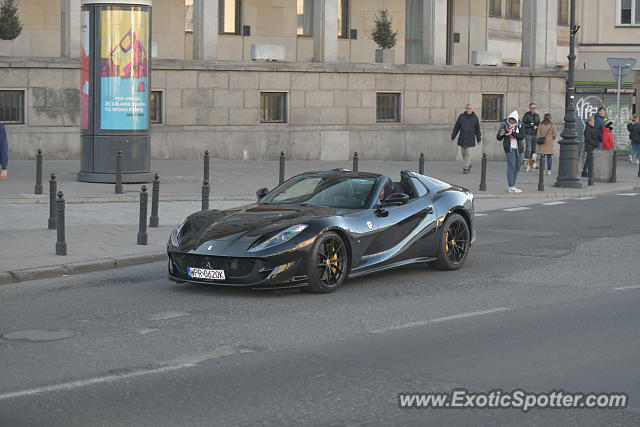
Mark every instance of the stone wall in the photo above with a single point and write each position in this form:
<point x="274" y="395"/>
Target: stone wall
<point x="332" y="108"/>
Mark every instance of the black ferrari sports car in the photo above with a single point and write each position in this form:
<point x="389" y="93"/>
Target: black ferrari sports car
<point x="318" y="228"/>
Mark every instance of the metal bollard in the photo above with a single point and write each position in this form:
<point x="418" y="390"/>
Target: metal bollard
<point x="205" y="195"/>
<point x="483" y="173"/>
<point x="53" y="189"/>
<point x="541" y="173"/>
<point x="421" y="164"/>
<point x="614" y="168"/>
<point x="61" y="244"/>
<point x="206" y="165"/>
<point x="119" y="189"/>
<point x="282" y="158"/>
<point x="38" y="188"/>
<point x="590" y="170"/>
<point x="154" y="221"/>
<point x="638" y="171"/>
<point x="143" y="237"/>
<point x="355" y="161"/>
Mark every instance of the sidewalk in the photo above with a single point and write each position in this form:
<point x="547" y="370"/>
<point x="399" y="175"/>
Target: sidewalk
<point x="102" y="226"/>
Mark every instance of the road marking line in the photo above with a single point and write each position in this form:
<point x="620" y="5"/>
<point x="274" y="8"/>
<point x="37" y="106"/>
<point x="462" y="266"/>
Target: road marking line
<point x="99" y="380"/>
<point x="480" y="214"/>
<point x="557" y="202"/>
<point x="439" y="319"/>
<point x="627" y="194"/>
<point x="187" y="361"/>
<point x="625" y="288"/>
<point x="167" y="315"/>
<point x="520" y="208"/>
<point x="584" y="198"/>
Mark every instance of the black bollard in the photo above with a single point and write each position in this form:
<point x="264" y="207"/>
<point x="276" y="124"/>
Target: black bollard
<point x="483" y="173"/>
<point x="38" y="189"/>
<point x="143" y="237"/>
<point x="61" y="244"/>
<point x="421" y="164"/>
<point x="638" y="171"/>
<point x="355" y="161"/>
<point x="206" y="165"/>
<point x="154" y="221"/>
<point x="281" y="178"/>
<point x="53" y="189"/>
<point x="205" y="195"/>
<point x="119" y="189"/>
<point x="614" y="168"/>
<point x="590" y="169"/>
<point x="541" y="174"/>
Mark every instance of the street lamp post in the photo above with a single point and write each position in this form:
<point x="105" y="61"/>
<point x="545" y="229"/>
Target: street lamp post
<point x="568" y="162"/>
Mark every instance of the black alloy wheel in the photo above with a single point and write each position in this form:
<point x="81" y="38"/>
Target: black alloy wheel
<point x="454" y="244"/>
<point x="328" y="263"/>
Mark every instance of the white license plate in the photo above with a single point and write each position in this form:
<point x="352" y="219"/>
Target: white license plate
<point x="203" y="273"/>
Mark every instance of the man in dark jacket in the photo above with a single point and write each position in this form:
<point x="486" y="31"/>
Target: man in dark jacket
<point x="634" y="136"/>
<point x="4" y="153"/>
<point x="530" y="121"/>
<point x="591" y="141"/>
<point x="468" y="125"/>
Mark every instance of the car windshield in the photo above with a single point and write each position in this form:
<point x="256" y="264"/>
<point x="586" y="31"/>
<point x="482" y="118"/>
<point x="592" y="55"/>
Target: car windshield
<point x="321" y="190"/>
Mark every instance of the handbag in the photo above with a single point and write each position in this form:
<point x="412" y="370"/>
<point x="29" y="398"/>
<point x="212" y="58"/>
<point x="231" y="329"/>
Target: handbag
<point x="541" y="139"/>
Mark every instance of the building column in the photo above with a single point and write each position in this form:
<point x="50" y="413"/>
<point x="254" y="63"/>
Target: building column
<point x="325" y="31"/>
<point x="70" y="28"/>
<point x="434" y="43"/>
<point x="205" y="29"/>
<point x="539" y="33"/>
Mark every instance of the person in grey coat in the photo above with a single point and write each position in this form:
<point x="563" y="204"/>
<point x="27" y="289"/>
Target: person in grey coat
<point x="468" y="128"/>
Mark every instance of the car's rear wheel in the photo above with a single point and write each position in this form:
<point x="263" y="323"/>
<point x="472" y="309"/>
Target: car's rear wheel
<point x="328" y="263"/>
<point x="455" y="242"/>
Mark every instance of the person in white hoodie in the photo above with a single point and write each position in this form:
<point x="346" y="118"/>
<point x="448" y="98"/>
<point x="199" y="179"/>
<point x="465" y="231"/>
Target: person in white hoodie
<point x="511" y="134"/>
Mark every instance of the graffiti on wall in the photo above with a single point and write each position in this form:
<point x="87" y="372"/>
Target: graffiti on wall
<point x="587" y="106"/>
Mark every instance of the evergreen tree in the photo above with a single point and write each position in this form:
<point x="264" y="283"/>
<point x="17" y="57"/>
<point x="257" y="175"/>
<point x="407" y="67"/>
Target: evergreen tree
<point x="10" y="25"/>
<point x="382" y="32"/>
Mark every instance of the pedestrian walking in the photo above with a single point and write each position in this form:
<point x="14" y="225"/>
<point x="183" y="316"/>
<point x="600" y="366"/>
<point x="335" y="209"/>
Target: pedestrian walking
<point x="511" y="134"/>
<point x="4" y="153"/>
<point x="634" y="136"/>
<point x="607" y="136"/>
<point x="591" y="142"/>
<point x="530" y="122"/>
<point x="545" y="136"/>
<point x="468" y="128"/>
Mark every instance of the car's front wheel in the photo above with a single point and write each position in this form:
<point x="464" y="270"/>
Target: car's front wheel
<point x="455" y="242"/>
<point x="328" y="263"/>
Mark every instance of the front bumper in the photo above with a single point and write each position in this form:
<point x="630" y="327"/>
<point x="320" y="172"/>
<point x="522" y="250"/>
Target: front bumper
<point x="276" y="272"/>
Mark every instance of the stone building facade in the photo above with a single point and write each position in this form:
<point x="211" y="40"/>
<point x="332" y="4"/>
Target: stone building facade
<point x="333" y="98"/>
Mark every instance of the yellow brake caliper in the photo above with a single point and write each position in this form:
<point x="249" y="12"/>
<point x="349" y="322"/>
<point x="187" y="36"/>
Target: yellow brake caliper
<point x="446" y="242"/>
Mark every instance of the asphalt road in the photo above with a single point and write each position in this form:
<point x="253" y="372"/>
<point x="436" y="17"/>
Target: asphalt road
<point x="547" y="300"/>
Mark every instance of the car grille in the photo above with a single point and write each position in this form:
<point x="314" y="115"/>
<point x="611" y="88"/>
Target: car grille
<point x="234" y="268"/>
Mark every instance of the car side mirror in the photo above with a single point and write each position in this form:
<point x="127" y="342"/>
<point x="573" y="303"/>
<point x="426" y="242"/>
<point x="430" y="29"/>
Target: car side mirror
<point x="396" y="199"/>
<point x="260" y="193"/>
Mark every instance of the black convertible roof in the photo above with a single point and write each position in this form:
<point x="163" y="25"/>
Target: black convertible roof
<point x="343" y="172"/>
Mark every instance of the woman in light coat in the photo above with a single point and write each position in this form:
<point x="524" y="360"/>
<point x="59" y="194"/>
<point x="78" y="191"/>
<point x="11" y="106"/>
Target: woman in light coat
<point x="546" y="130"/>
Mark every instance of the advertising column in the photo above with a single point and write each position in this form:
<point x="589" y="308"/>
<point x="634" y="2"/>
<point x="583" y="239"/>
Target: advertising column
<point x="114" y="95"/>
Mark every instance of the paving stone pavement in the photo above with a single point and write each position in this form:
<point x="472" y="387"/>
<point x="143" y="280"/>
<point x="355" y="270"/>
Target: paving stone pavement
<point x="102" y="226"/>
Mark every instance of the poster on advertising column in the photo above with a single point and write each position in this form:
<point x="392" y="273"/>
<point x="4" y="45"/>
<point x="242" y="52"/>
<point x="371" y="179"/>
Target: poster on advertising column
<point x="84" y="70"/>
<point x="124" y="68"/>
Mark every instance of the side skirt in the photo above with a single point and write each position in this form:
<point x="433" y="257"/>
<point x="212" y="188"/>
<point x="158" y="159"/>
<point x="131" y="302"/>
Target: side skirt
<point x="420" y="260"/>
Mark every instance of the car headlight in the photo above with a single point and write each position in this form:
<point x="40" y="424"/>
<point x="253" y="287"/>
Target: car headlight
<point x="176" y="234"/>
<point x="281" y="237"/>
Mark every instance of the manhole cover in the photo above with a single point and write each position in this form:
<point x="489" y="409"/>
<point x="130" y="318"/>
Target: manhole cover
<point x="38" y="335"/>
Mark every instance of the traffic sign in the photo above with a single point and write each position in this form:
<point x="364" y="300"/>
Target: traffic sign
<point x="620" y="67"/>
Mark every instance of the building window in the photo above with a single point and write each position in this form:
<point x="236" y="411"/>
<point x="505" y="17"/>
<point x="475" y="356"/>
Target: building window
<point x="229" y="15"/>
<point x="343" y="19"/>
<point x="387" y="107"/>
<point x="495" y="8"/>
<point x="305" y="17"/>
<point x="156" y="99"/>
<point x="12" y="106"/>
<point x="273" y="107"/>
<point x="188" y="16"/>
<point x="492" y="108"/>
<point x="513" y="9"/>
<point x="413" y="32"/>
<point x="563" y="12"/>
<point x="629" y="12"/>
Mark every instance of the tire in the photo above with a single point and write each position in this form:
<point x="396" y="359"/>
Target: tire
<point x="327" y="265"/>
<point x="455" y="242"/>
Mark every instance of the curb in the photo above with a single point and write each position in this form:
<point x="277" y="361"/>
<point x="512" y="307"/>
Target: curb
<point x="17" y="276"/>
<point x="123" y="199"/>
<point x="551" y="195"/>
